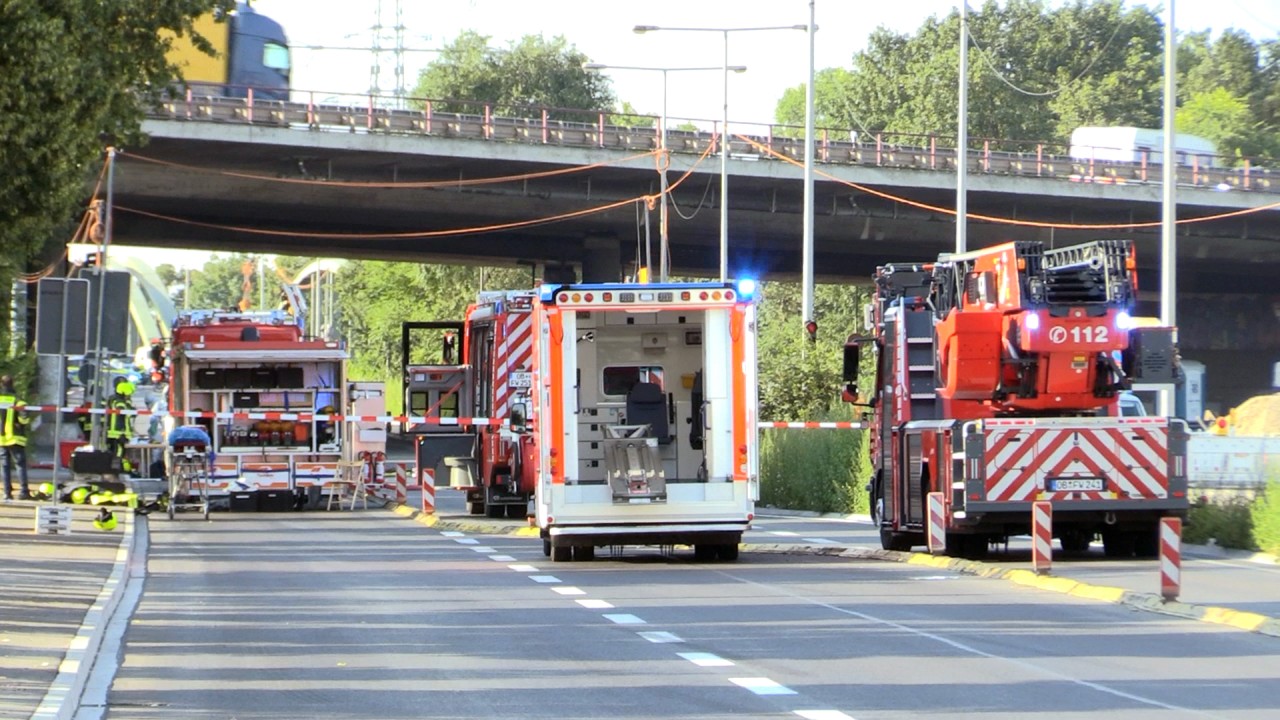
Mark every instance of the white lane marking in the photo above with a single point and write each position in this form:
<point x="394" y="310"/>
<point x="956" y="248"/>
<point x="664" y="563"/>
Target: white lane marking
<point x="519" y="568"/>
<point x="968" y="648"/>
<point x="544" y="578"/>
<point x="784" y="533"/>
<point x="595" y="604"/>
<point x="936" y="577"/>
<point x="822" y="715"/>
<point x="508" y="558"/>
<point x="483" y="549"/>
<point x="467" y="541"/>
<point x="762" y="686"/>
<point x="451" y="533"/>
<point x="702" y="659"/>
<point x="820" y="540"/>
<point x="624" y="619"/>
<point x="569" y="590"/>
<point x="658" y="636"/>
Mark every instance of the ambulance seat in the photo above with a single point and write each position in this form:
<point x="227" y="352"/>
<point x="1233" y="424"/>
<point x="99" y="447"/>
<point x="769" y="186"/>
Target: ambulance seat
<point x="647" y="405"/>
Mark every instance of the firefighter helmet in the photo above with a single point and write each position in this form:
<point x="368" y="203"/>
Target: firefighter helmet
<point x="106" y="520"/>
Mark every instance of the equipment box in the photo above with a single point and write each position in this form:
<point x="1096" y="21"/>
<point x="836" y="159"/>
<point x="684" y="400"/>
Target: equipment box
<point x="95" y="462"/>
<point x="275" y="500"/>
<point x="244" y="501"/>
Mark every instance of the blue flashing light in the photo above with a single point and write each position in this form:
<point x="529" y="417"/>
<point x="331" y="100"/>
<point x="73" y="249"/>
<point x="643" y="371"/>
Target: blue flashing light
<point x="746" y="288"/>
<point x="1124" y="320"/>
<point x="547" y="292"/>
<point x="1032" y="322"/>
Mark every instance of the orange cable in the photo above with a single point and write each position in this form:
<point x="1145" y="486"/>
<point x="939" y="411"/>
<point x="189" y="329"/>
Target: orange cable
<point x="1008" y="221"/>
<point x="400" y="185"/>
<point x="390" y="236"/>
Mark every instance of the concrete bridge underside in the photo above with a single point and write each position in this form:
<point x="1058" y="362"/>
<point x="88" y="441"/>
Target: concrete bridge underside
<point x="223" y="210"/>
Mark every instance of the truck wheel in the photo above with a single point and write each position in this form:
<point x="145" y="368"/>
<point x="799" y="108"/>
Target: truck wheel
<point x="704" y="552"/>
<point x="728" y="552"/>
<point x="1146" y="543"/>
<point x="562" y="553"/>
<point x="475" y="508"/>
<point x="1076" y="541"/>
<point x="494" y="511"/>
<point x="1117" y="544"/>
<point x="584" y="553"/>
<point x="517" y="512"/>
<point x="890" y="540"/>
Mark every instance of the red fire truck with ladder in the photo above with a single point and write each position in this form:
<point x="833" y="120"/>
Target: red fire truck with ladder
<point x="996" y="379"/>
<point x="627" y="413"/>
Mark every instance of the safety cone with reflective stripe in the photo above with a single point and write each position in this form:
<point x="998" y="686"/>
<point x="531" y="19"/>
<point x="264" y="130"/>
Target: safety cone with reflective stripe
<point x="1041" y="537"/>
<point x="428" y="481"/>
<point x="937" y="529"/>
<point x="1170" y="557"/>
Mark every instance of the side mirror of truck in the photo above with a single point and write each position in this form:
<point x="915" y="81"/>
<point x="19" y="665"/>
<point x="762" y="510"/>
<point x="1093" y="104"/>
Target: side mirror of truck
<point x="851" y="358"/>
<point x="519" y="418"/>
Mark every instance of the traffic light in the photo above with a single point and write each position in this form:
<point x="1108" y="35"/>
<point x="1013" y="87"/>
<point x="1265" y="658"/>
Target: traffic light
<point x="811" y="329"/>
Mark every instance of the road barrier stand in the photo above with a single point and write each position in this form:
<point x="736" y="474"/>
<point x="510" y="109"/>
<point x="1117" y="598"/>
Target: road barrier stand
<point x="53" y="520"/>
<point x="1170" y="558"/>
<point x="937" y="530"/>
<point x="427" y="479"/>
<point x="1041" y="537"/>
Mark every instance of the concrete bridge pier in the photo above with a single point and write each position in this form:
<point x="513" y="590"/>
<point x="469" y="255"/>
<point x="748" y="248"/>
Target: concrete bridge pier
<point x="602" y="259"/>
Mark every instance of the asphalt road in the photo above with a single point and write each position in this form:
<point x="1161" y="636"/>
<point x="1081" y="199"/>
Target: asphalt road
<point x="368" y="615"/>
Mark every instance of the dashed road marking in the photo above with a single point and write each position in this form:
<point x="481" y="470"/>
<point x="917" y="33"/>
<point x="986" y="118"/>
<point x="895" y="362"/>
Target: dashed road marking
<point x="783" y="533"/>
<point x="483" y="549"/>
<point x="519" y="568"/>
<point x="467" y="541"/>
<point x="569" y="590"/>
<point x="544" y="578"/>
<point x="507" y="558"/>
<point x="762" y="686"/>
<point x="819" y="540"/>
<point x="658" y="636"/>
<point x="596" y="604"/>
<point x="822" y="715"/>
<point x="624" y="619"/>
<point x="452" y="533"/>
<point x="702" y="659"/>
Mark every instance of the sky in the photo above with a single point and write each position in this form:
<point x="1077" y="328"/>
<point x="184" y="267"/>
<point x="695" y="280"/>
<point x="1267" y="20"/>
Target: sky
<point x="602" y="30"/>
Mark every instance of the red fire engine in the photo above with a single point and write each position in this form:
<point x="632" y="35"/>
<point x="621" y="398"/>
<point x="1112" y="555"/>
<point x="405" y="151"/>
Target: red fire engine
<point x="996" y="380"/>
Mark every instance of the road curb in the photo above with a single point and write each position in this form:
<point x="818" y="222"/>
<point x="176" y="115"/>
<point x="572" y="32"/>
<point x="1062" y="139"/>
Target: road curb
<point x="62" y="699"/>
<point x="1148" y="602"/>
<point x="435" y="521"/>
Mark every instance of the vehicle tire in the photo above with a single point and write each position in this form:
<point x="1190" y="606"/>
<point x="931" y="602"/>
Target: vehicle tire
<point x="584" y="553"/>
<point x="1117" y="544"/>
<point x="704" y="552"/>
<point x="728" y="552"/>
<point x="546" y="547"/>
<point x="562" y="553"/>
<point x="495" y="511"/>
<point x="517" y="512"/>
<point x="475" y="508"/>
<point x="1146" y="543"/>
<point x="1076" y="541"/>
<point x="890" y="540"/>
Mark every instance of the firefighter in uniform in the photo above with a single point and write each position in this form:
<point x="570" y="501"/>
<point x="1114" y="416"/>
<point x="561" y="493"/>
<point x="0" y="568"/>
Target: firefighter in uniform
<point x="13" y="438"/>
<point x="119" y="424"/>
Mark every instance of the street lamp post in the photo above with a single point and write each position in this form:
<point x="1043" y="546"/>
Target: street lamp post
<point x="724" y="127"/>
<point x="662" y="146"/>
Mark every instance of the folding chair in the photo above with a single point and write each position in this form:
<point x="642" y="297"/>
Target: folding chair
<point x="349" y="478"/>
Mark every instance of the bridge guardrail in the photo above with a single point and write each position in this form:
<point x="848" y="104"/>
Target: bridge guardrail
<point x="546" y="130"/>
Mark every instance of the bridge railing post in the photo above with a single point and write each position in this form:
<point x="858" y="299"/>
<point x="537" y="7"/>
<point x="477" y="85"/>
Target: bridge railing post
<point x="545" y="130"/>
<point x="826" y="145"/>
<point x="426" y="113"/>
<point x="488" y="121"/>
<point x="879" y="149"/>
<point x="1246" y="174"/>
<point x="1039" y="159"/>
<point x="600" y="129"/>
<point x="249" y="106"/>
<point x="933" y="152"/>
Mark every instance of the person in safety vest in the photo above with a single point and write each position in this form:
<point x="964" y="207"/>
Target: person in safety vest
<point x="119" y="424"/>
<point x="106" y="520"/>
<point x="13" y="438"/>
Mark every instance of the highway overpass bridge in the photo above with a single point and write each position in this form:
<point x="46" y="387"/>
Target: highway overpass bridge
<point x="225" y="175"/>
<point x="220" y="174"/>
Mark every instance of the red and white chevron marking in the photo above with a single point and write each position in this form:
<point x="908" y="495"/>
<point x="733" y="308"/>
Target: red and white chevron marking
<point x="1019" y="461"/>
<point x="515" y="355"/>
<point x="936" y="530"/>
<point x="1170" y="557"/>
<point x="1041" y="537"/>
<point x="428" y="478"/>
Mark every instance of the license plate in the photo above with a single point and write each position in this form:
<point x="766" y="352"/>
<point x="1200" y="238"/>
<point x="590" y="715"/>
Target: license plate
<point x="520" y="380"/>
<point x="1075" y="484"/>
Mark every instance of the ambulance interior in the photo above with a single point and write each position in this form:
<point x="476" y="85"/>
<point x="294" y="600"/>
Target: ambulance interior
<point x="640" y="421"/>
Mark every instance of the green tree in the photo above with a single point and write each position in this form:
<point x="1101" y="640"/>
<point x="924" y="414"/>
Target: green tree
<point x="77" y="74"/>
<point x="533" y="71"/>
<point x="1224" y="118"/>
<point x="219" y="285"/>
